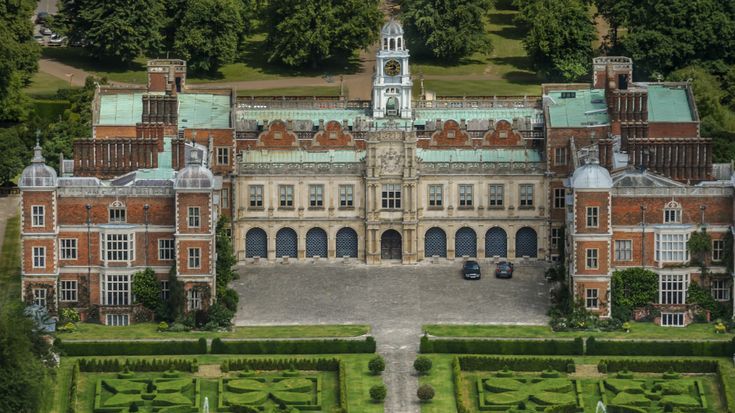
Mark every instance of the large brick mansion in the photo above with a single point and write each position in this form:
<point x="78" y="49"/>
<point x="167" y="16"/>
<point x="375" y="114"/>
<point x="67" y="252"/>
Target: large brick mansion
<point x="614" y="173"/>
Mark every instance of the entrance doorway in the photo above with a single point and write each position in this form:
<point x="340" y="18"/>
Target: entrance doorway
<point x="390" y="245"/>
<point x="391" y="106"/>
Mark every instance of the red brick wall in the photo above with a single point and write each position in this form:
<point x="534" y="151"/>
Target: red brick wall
<point x="28" y="245"/>
<point x="183" y="258"/>
<point x="186" y="200"/>
<point x="159" y="212"/>
<point x="602" y="257"/>
<point x="157" y="82"/>
<point x="102" y="131"/>
<point x="341" y="138"/>
<point x="591" y="199"/>
<point x="673" y="130"/>
<point x="442" y="137"/>
<point x="581" y="288"/>
<point x="267" y="139"/>
<point x="503" y="128"/>
<point x="628" y="212"/>
<point x="31" y="198"/>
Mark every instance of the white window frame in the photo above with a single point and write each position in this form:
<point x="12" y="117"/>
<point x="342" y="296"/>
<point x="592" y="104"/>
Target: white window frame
<point x="39" y="297"/>
<point x="555" y="237"/>
<point x="316" y="196"/>
<point x="721" y="289"/>
<point x="166" y="249"/>
<point x="117" y="290"/>
<point x="285" y="196"/>
<point x="592" y="298"/>
<point x="525" y="195"/>
<point x="671" y="247"/>
<point x="193" y="299"/>
<point x="68" y="290"/>
<point x="193" y="217"/>
<point x="346" y="196"/>
<point x="117" y="320"/>
<point x="118" y="247"/>
<point x="672" y="320"/>
<point x="117" y="215"/>
<point x="623" y="250"/>
<point x="436" y="196"/>
<point x="672" y="213"/>
<point x="672" y="289"/>
<point x="496" y="195"/>
<point x="223" y="155"/>
<point x="38" y="216"/>
<point x="39" y="257"/>
<point x="225" y="198"/>
<point x="165" y="289"/>
<point x="194" y="261"/>
<point x="560" y="198"/>
<point x="718" y="250"/>
<point x="68" y="249"/>
<point x="466" y="194"/>
<point x="560" y="156"/>
<point x="592" y="259"/>
<point x="391" y="196"/>
<point x="256" y="198"/>
<point x="593" y="217"/>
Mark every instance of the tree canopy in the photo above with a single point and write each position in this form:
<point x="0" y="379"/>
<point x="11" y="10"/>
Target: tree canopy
<point x="559" y="37"/>
<point x="308" y="32"/>
<point x="447" y="29"/>
<point x="209" y="33"/>
<point x="18" y="58"/>
<point x="120" y="30"/>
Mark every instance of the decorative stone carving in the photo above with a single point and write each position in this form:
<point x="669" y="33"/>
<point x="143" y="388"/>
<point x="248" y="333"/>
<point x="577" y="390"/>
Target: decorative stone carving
<point x="390" y="162"/>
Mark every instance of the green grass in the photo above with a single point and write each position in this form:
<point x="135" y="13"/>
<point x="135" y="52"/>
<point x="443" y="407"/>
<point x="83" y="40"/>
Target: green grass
<point x="293" y="91"/>
<point x="77" y="58"/>
<point x="359" y="381"/>
<point x="440" y="378"/>
<point x="478" y="88"/>
<point x="10" y="261"/>
<point x="638" y="331"/>
<point x="45" y="86"/>
<point x="89" y="331"/>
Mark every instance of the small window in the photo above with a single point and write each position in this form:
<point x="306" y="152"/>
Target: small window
<point x="332" y="135"/>
<point x="391" y="196"/>
<point x="37" y="216"/>
<point x="672" y="319"/>
<point x="39" y="297"/>
<point x="672" y="213"/>
<point x="496" y="195"/>
<point x="278" y="135"/>
<point x="166" y="249"/>
<point x="346" y="196"/>
<point x="165" y="290"/>
<point x="68" y="248"/>
<point x="623" y="250"/>
<point x="451" y="134"/>
<point x="117" y="215"/>
<point x="436" y="196"/>
<point x="225" y="202"/>
<point x="721" y="289"/>
<point x="256" y="196"/>
<point x="68" y="291"/>
<point x="39" y="257"/>
<point x="285" y="193"/>
<point x="560" y="197"/>
<point x="560" y="156"/>
<point x="718" y="250"/>
<point x="117" y="320"/>
<point x="593" y="217"/>
<point x="592" y="301"/>
<point x="568" y="95"/>
<point x="526" y="195"/>
<point x="195" y="258"/>
<point x="223" y="156"/>
<point x="465" y="196"/>
<point x="316" y="196"/>
<point x="194" y="299"/>
<point x="193" y="217"/>
<point x="555" y="237"/>
<point x="592" y="259"/>
<point x="503" y="134"/>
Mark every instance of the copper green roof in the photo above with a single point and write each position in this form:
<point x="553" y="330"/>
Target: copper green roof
<point x="578" y="108"/>
<point x="120" y="109"/>
<point x="479" y="155"/>
<point x="299" y="156"/>
<point x="668" y="104"/>
<point x="480" y="113"/>
<point x="204" y="111"/>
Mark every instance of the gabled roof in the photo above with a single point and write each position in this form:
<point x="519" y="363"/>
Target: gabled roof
<point x="634" y="178"/>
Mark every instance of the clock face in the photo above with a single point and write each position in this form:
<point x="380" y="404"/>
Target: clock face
<point x="392" y="68"/>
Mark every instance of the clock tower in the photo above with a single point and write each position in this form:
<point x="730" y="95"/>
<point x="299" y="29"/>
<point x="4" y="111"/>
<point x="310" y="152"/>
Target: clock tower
<point x="392" y="83"/>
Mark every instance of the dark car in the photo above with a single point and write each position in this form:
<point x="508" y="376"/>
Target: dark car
<point x="42" y="17"/>
<point x="471" y="270"/>
<point x="504" y="270"/>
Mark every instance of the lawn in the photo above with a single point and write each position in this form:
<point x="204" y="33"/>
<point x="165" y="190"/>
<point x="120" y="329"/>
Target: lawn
<point x="10" y="261"/>
<point x="293" y="91"/>
<point x="638" y="331"/>
<point x="44" y="86"/>
<point x="89" y="331"/>
<point x="359" y="381"/>
<point x="477" y="88"/>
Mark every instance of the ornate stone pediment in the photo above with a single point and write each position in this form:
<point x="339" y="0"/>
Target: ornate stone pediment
<point x="391" y="162"/>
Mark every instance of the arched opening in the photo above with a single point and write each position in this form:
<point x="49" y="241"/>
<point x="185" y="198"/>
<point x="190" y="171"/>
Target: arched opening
<point x="256" y="243"/>
<point x="316" y="243"/>
<point x="496" y="242"/>
<point x="287" y="243"/>
<point x="465" y="242"/>
<point x="346" y="243"/>
<point x="435" y="243"/>
<point x="526" y="243"/>
<point x="392" y="44"/>
<point x="390" y="245"/>
<point x="385" y="43"/>
<point x="400" y="47"/>
<point x="391" y="106"/>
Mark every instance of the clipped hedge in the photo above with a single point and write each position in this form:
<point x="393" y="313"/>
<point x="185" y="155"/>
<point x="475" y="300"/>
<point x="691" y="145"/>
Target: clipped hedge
<point x="597" y="347"/>
<point x="115" y="365"/>
<point x="319" y="364"/>
<point x="334" y="346"/>
<point x="660" y="366"/>
<point x="72" y="408"/>
<point x="488" y="363"/>
<point x="459" y="388"/>
<point x="343" y="387"/>
<point x="503" y="347"/>
<point x="133" y="348"/>
<point x="727" y="389"/>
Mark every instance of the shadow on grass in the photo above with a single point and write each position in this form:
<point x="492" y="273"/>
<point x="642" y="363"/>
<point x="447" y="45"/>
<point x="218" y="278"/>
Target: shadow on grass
<point x="429" y="60"/>
<point x="502" y="19"/>
<point x="518" y="62"/>
<point x="79" y="58"/>
<point x="523" y="78"/>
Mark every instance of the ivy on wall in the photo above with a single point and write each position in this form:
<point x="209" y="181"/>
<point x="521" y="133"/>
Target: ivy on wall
<point x="632" y="288"/>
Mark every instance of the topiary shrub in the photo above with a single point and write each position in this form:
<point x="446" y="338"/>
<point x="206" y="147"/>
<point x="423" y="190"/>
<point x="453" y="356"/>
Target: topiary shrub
<point x="162" y="326"/>
<point x="378" y="392"/>
<point x="422" y="364"/>
<point x="602" y="367"/>
<point x="376" y="365"/>
<point x="425" y="392"/>
<point x="133" y="407"/>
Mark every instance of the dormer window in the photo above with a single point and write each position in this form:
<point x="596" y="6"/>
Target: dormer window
<point x="117" y="213"/>
<point x="672" y="213"/>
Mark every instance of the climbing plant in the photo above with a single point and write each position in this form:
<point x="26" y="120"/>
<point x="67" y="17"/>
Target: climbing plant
<point x="699" y="245"/>
<point x="632" y="288"/>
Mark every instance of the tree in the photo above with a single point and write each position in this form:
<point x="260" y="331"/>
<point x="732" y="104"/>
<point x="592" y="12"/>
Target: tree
<point x="615" y="12"/>
<point x="174" y="307"/>
<point x="422" y="364"/>
<point x="447" y="29"/>
<point x="209" y="33"/>
<point x="425" y="392"/>
<point x="120" y="30"/>
<point x="376" y="365"/>
<point x="15" y="154"/>
<point x="226" y="259"/>
<point x="302" y="32"/>
<point x="559" y="36"/>
<point x="378" y="392"/>
<point x="632" y="288"/>
<point x="18" y="58"/>
<point x="24" y="379"/>
<point x="147" y="289"/>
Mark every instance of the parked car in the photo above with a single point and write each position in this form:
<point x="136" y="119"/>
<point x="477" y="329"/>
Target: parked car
<point x="41" y="17"/>
<point x="504" y="269"/>
<point x="38" y="38"/>
<point x="56" y="40"/>
<point x="471" y="270"/>
<point x="46" y="31"/>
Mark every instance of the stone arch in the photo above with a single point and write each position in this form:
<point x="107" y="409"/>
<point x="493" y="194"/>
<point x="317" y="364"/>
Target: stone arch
<point x="316" y="242"/>
<point x="465" y="242"/>
<point x="391" y="245"/>
<point x="287" y="243"/>
<point x="346" y="243"/>
<point x="256" y="243"/>
<point x="526" y="243"/>
<point x="496" y="242"/>
<point x="435" y="242"/>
